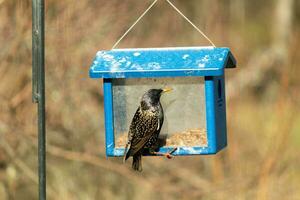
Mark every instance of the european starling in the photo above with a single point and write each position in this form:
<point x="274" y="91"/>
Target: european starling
<point x="145" y="127"/>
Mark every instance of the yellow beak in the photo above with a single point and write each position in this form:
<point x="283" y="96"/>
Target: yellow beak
<point x="168" y="89"/>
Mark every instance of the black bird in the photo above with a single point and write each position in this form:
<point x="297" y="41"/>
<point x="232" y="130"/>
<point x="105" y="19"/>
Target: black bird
<point x="145" y="127"/>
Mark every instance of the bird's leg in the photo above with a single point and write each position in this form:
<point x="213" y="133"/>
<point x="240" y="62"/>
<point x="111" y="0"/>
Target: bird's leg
<point x="167" y="155"/>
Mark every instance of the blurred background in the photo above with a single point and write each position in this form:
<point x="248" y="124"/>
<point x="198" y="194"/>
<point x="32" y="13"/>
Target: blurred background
<point x="262" y="160"/>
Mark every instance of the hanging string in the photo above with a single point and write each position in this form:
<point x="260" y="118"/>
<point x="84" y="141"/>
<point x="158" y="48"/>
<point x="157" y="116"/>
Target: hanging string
<point x="145" y="12"/>
<point x="191" y="23"/>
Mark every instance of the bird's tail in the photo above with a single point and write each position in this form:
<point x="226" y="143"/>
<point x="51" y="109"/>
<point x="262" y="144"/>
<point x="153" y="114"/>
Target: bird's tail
<point x="126" y="154"/>
<point x="137" y="162"/>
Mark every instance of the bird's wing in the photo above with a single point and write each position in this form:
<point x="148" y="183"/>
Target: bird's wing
<point x="138" y="143"/>
<point x="131" y="134"/>
<point x="142" y="133"/>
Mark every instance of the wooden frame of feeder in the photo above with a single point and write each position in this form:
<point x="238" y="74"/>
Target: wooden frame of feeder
<point x="207" y="62"/>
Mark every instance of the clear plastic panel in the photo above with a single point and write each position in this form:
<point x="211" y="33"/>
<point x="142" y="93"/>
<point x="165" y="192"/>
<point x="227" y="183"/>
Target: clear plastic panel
<point x="184" y="109"/>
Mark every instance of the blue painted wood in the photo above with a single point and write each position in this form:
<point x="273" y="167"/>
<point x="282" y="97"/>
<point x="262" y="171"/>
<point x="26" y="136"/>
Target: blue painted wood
<point x="210" y="113"/>
<point x="181" y="151"/>
<point x="215" y="124"/>
<point x="220" y="112"/>
<point x="108" y="115"/>
<point x="169" y="62"/>
<point x="161" y="62"/>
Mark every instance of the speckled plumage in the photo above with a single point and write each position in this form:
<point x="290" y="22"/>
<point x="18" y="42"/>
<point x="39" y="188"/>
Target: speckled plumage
<point x="145" y="127"/>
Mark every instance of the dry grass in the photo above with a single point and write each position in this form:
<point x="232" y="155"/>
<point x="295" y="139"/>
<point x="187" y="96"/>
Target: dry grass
<point x="261" y="161"/>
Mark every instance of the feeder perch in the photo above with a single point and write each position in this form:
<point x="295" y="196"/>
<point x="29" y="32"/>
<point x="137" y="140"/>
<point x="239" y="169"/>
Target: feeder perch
<point x="195" y="111"/>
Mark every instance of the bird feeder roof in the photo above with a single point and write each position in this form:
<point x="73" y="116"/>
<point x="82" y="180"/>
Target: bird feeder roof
<point x="162" y="62"/>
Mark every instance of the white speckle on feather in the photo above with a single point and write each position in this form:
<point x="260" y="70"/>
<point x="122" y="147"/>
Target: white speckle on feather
<point x="136" y="54"/>
<point x="185" y="56"/>
<point x="95" y="62"/>
<point x="220" y="59"/>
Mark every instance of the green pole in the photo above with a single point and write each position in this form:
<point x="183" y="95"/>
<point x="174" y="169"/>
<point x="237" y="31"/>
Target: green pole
<point x="38" y="87"/>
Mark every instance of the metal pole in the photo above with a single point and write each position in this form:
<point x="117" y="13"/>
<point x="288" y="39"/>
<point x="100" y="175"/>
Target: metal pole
<point x="38" y="87"/>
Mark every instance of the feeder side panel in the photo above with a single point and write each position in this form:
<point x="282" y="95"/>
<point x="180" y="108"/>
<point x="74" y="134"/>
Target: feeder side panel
<point x="220" y="106"/>
<point x="108" y="115"/>
<point x="210" y="114"/>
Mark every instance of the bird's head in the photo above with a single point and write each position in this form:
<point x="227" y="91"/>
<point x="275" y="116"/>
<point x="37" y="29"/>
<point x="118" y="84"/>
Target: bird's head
<point x="152" y="97"/>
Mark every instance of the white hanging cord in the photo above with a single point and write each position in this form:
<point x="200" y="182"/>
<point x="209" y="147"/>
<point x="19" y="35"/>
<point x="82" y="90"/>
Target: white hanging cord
<point x="191" y="23"/>
<point x="144" y="13"/>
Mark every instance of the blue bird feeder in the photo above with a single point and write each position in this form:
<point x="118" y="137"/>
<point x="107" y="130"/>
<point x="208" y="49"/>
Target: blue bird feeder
<point x="195" y="111"/>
